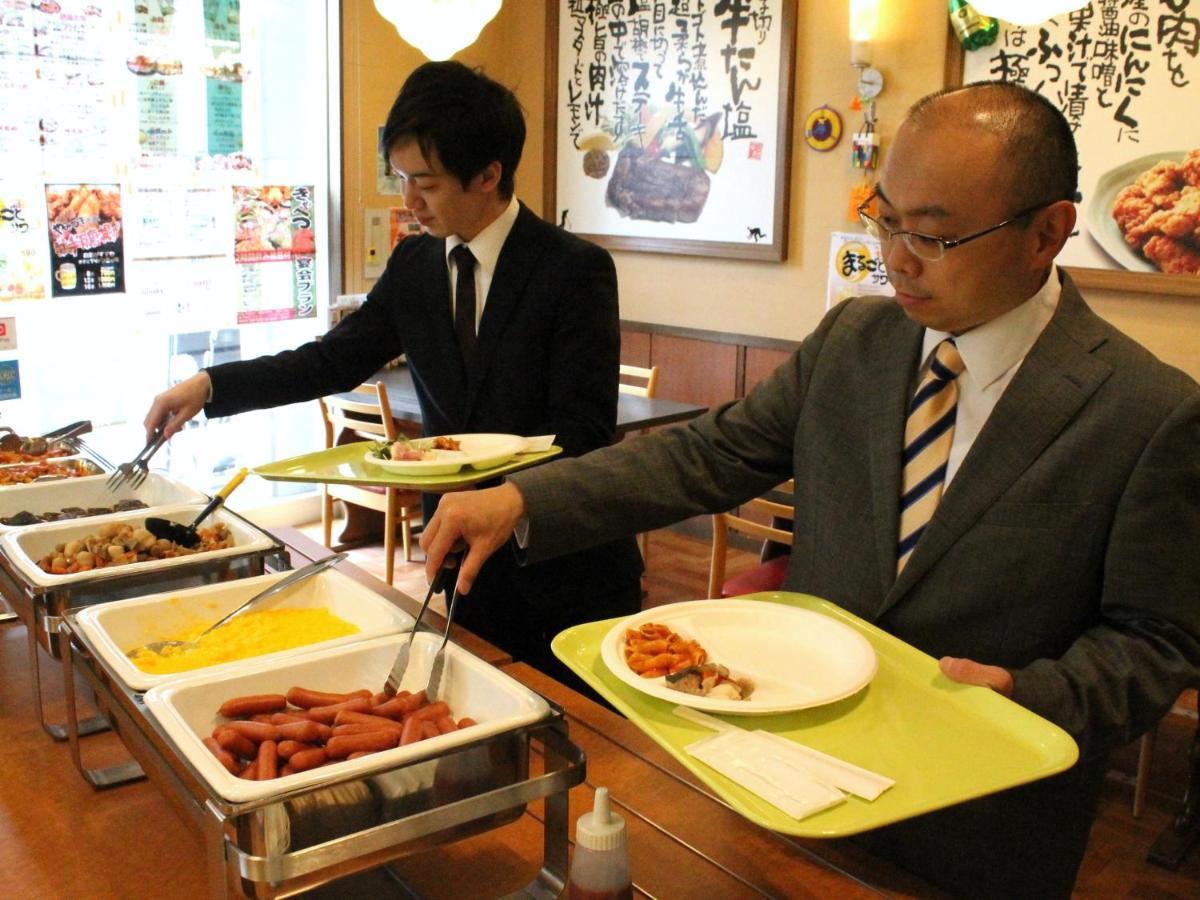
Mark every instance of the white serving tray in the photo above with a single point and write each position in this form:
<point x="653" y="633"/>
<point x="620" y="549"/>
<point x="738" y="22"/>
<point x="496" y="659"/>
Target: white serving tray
<point x="51" y="496"/>
<point x="25" y="546"/>
<point x="120" y="626"/>
<point x="187" y="708"/>
<point x="100" y="477"/>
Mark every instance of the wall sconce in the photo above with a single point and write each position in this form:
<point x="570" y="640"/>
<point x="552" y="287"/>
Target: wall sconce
<point x="1026" y="12"/>
<point x="438" y="28"/>
<point x="864" y="25"/>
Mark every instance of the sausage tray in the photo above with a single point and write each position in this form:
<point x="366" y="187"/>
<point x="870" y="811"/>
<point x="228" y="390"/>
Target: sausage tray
<point x="118" y="627"/>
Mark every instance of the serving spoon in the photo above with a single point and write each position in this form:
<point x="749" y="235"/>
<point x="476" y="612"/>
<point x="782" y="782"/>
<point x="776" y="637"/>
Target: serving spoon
<point x="299" y="575"/>
<point x="187" y="535"/>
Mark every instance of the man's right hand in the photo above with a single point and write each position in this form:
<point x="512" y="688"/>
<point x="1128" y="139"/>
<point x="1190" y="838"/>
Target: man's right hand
<point x="172" y="408"/>
<point x="483" y="519"/>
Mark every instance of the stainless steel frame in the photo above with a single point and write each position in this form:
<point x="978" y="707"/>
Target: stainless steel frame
<point x="304" y="838"/>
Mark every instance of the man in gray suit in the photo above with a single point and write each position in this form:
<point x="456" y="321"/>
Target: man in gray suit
<point x="1061" y="566"/>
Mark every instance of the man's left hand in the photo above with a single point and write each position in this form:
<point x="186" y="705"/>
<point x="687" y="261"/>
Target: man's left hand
<point x="967" y="671"/>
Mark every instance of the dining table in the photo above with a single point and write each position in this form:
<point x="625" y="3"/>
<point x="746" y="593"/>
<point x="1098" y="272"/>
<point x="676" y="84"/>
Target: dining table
<point x="363" y="525"/>
<point x="684" y="841"/>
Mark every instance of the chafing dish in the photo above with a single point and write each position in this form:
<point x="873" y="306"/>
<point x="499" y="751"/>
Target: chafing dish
<point x="298" y="833"/>
<point x="123" y="625"/>
<point x="90" y="493"/>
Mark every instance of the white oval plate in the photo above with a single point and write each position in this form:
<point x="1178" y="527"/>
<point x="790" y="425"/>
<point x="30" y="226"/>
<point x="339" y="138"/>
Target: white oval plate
<point x="480" y="451"/>
<point x="796" y="658"/>
<point x="1103" y="227"/>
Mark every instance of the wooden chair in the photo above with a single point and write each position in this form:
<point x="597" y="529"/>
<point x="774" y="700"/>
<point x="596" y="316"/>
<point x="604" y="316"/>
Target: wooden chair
<point x="370" y="419"/>
<point x="769" y="575"/>
<point x="641" y="383"/>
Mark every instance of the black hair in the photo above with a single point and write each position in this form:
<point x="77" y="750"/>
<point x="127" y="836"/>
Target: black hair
<point x="1036" y="136"/>
<point x="470" y="121"/>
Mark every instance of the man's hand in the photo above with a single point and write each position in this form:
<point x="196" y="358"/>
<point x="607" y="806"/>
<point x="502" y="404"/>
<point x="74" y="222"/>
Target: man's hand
<point x="484" y="519"/>
<point x="172" y="408"/>
<point x="967" y="671"/>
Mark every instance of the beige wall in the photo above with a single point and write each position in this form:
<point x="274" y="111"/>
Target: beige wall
<point x="783" y="300"/>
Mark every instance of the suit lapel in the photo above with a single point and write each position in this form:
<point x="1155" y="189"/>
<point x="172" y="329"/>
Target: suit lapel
<point x="1056" y="379"/>
<point x="513" y="267"/>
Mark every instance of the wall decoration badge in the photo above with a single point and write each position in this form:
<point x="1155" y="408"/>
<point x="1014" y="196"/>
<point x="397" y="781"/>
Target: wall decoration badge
<point x="823" y="128"/>
<point x="85" y="227"/>
<point x="672" y="124"/>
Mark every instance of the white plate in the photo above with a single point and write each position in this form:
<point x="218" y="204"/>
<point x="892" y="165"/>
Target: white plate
<point x="1100" y="222"/>
<point x="796" y="658"/>
<point x="480" y="451"/>
<point x="123" y="625"/>
<point x="187" y="707"/>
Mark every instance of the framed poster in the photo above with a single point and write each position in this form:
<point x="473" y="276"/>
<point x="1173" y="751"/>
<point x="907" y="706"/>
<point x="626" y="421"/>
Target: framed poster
<point x="668" y="124"/>
<point x="1127" y="78"/>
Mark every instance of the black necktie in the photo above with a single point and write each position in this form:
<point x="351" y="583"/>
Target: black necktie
<point x="464" y="300"/>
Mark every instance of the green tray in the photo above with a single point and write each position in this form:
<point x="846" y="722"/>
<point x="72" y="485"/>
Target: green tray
<point x="344" y="465"/>
<point x="942" y="742"/>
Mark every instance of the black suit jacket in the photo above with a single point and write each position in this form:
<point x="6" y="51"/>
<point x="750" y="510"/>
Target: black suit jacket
<point x="545" y="363"/>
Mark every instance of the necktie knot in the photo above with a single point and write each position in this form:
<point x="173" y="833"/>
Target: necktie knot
<point x="463" y="258"/>
<point x="947" y="362"/>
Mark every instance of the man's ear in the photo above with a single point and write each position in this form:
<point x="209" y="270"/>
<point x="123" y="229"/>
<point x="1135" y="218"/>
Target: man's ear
<point x="1051" y="230"/>
<point x="488" y="179"/>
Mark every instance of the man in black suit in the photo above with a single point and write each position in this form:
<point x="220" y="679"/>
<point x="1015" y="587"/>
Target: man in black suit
<point x="520" y="336"/>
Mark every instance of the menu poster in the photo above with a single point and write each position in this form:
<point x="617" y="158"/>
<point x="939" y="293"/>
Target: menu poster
<point x="275" y="246"/>
<point x="224" y="116"/>
<point x="157" y="113"/>
<point x="72" y="39"/>
<point x="10" y="380"/>
<point x="22" y="253"/>
<point x="8" y="333"/>
<point x="176" y="220"/>
<point x="153" y="18"/>
<point x="1125" y="75"/>
<point x="84" y="223"/>
<point x="856" y="268"/>
<point x="222" y="21"/>
<point x="185" y="294"/>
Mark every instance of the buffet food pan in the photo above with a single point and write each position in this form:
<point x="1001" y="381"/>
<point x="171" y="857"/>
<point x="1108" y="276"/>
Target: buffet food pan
<point x="90" y="493"/>
<point x="73" y="468"/>
<point x="187" y="708"/>
<point x="116" y="628"/>
<point x="24" y="547"/>
<point x="42" y="598"/>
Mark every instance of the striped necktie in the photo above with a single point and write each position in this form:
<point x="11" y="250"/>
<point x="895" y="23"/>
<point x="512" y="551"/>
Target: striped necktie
<point x="928" y="434"/>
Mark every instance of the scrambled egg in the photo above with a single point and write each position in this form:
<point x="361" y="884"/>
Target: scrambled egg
<point x="250" y="634"/>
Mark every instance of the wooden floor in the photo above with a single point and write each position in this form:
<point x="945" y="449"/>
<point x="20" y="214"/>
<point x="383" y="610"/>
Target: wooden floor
<point x="54" y="829"/>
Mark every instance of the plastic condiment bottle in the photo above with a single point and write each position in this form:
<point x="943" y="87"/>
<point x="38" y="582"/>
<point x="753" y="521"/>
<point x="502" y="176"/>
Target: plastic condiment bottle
<point x="600" y="867"/>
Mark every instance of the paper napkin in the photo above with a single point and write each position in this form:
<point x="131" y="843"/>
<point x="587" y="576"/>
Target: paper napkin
<point x="797" y="779"/>
<point x="538" y="444"/>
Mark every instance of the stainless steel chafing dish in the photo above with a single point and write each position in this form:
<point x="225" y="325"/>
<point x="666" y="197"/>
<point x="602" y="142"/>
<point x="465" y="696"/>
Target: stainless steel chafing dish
<point x="39" y="599"/>
<point x="297" y="838"/>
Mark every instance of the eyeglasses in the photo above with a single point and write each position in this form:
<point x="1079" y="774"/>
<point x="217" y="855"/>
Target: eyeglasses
<point x="927" y="246"/>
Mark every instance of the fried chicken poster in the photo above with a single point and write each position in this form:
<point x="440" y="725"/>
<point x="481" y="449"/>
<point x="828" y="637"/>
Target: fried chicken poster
<point x="85" y="224"/>
<point x="1127" y="77"/>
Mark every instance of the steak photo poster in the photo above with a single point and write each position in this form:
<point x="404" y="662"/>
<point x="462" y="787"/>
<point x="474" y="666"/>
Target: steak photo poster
<point x="671" y="124"/>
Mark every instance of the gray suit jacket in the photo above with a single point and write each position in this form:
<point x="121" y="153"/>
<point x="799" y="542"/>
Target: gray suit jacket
<point x="1067" y="547"/>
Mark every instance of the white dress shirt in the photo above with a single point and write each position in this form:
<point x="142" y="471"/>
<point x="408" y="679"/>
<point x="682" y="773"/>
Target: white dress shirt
<point x="991" y="353"/>
<point x="485" y="247"/>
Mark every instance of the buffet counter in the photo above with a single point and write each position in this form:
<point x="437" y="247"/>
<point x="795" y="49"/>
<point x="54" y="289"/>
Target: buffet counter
<point x="683" y="841"/>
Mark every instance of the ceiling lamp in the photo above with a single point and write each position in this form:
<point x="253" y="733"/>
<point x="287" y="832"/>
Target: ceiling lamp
<point x="438" y="28"/>
<point x="1026" y="12"/>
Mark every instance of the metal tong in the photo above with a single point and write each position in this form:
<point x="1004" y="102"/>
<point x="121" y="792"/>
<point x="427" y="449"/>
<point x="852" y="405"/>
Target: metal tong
<point x="449" y="569"/>
<point x="136" y="470"/>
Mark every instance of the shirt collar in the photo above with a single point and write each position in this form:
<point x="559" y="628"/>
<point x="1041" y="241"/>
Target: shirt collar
<point x="991" y="349"/>
<point x="486" y="245"/>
